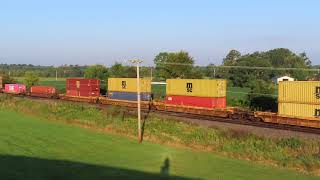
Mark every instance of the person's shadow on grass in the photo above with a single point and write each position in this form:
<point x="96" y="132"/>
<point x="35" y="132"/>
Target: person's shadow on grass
<point x="165" y="167"/>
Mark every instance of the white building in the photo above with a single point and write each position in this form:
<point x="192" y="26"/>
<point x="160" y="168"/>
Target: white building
<point x="284" y="78"/>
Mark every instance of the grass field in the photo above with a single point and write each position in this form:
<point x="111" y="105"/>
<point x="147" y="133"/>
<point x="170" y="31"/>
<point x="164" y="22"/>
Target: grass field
<point x="32" y="148"/>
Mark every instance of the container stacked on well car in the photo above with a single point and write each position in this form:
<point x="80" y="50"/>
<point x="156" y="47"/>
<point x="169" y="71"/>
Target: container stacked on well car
<point x="201" y="93"/>
<point x="81" y="89"/>
<point x="298" y="105"/>
<point x="123" y="92"/>
<point x="299" y="99"/>
<point x="126" y="89"/>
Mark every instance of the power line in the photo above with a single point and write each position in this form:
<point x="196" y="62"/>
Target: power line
<point x="246" y="67"/>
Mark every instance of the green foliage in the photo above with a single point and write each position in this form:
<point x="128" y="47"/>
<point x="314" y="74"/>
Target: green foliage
<point x="261" y="96"/>
<point x="174" y="65"/>
<point x="19" y="70"/>
<point x="96" y="71"/>
<point x="119" y="71"/>
<point x="31" y="78"/>
<point x="231" y="57"/>
<point x="277" y="58"/>
<point x="6" y="79"/>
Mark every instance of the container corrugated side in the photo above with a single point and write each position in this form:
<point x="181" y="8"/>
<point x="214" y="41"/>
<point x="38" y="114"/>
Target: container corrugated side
<point x="299" y="110"/>
<point x="83" y="87"/>
<point x="205" y="102"/>
<point x="197" y="87"/>
<point x="43" y="89"/>
<point x="129" y="85"/>
<point x="15" y="88"/>
<point x="129" y="96"/>
<point x="299" y="92"/>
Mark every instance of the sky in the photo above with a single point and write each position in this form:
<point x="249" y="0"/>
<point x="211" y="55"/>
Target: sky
<point x="57" y="32"/>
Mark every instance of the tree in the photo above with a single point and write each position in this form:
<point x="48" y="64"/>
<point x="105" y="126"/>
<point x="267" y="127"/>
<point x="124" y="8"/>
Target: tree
<point x="306" y="59"/>
<point x="174" y="65"/>
<point x="261" y="96"/>
<point x="31" y="78"/>
<point x="6" y="79"/>
<point x="277" y="58"/>
<point x="96" y="71"/>
<point x="231" y="57"/>
<point x="119" y="71"/>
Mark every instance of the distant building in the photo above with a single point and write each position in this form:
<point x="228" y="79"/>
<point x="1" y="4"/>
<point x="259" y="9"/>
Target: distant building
<point x="283" y="78"/>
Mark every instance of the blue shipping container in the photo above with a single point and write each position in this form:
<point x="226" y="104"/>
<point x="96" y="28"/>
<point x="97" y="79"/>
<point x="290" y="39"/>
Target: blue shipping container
<point x="129" y="96"/>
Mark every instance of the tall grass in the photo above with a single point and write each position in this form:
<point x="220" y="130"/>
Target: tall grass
<point x="284" y="152"/>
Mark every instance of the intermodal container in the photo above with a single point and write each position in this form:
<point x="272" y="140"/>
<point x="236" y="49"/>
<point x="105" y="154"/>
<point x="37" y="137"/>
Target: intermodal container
<point x="83" y="87"/>
<point x="197" y="87"/>
<point x="129" y="85"/>
<point x="129" y="96"/>
<point x="43" y="91"/>
<point x="299" y="110"/>
<point x="15" y="88"/>
<point x="299" y="92"/>
<point x="205" y="102"/>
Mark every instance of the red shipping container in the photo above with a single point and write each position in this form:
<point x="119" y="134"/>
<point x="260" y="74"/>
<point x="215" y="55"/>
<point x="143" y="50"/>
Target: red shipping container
<point x="204" y="102"/>
<point x="15" y="88"/>
<point x="43" y="91"/>
<point x="83" y="87"/>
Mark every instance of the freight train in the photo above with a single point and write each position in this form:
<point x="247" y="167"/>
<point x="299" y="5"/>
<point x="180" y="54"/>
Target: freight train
<point x="299" y="102"/>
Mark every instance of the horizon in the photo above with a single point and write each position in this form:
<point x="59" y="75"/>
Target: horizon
<point x="99" y="32"/>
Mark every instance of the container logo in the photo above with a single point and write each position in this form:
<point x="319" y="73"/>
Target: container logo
<point x="317" y="113"/>
<point x="189" y="87"/>
<point x="317" y="92"/>
<point x="78" y="84"/>
<point x="124" y="85"/>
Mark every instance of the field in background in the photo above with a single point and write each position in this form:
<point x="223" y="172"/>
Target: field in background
<point x="31" y="148"/>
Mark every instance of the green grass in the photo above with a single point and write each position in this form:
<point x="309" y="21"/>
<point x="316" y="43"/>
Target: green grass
<point x="236" y="95"/>
<point x="32" y="148"/>
<point x="159" y="91"/>
<point x="283" y="152"/>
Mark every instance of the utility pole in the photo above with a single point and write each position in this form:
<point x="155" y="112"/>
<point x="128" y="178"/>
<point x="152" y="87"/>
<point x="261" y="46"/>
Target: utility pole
<point x="151" y="74"/>
<point x="56" y="74"/>
<point x="137" y="63"/>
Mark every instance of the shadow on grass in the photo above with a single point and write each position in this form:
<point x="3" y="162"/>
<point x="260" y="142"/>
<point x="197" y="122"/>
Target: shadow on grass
<point x="28" y="168"/>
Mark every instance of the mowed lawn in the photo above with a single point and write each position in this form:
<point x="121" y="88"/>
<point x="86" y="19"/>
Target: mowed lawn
<point x="31" y="149"/>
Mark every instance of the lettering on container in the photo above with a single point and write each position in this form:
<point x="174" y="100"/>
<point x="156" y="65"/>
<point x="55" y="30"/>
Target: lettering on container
<point x="189" y="87"/>
<point x="317" y="113"/>
<point x="317" y="92"/>
<point x="124" y="85"/>
<point x="78" y="84"/>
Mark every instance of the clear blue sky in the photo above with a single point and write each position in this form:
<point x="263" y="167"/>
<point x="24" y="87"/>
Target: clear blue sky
<point x="85" y="32"/>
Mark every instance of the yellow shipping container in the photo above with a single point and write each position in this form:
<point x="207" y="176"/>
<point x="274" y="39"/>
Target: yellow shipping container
<point x="129" y="85"/>
<point x="299" y="92"/>
<point x="197" y="87"/>
<point x="299" y="110"/>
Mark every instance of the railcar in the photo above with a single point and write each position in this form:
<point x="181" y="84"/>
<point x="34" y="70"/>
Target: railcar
<point x="299" y="102"/>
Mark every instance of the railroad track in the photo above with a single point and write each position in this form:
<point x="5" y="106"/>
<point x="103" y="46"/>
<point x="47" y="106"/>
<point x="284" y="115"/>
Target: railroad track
<point x="132" y="111"/>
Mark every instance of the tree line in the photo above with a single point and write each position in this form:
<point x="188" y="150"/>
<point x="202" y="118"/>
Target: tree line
<point x="182" y="65"/>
